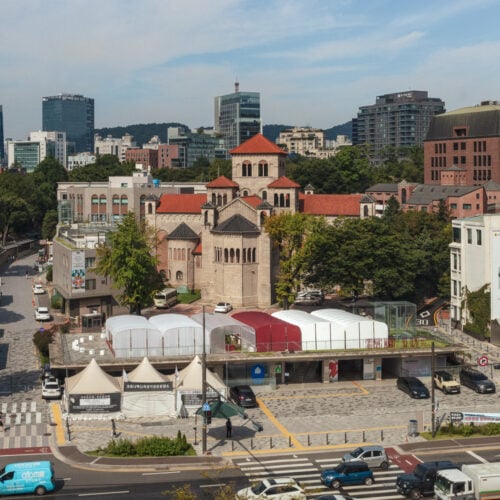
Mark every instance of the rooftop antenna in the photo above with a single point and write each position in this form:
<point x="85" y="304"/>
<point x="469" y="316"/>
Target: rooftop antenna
<point x="236" y="85"/>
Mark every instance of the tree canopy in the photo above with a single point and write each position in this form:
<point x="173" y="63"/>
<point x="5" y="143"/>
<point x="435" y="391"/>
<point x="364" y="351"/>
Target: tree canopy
<point x="128" y="261"/>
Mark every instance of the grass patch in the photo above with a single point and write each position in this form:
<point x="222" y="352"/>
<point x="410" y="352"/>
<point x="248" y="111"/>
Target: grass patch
<point x="453" y="430"/>
<point x="189" y="298"/>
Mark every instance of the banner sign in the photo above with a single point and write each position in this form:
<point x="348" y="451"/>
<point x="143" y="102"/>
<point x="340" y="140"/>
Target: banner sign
<point x="95" y="403"/>
<point x="477" y="418"/>
<point x="78" y="271"/>
<point x="147" y="386"/>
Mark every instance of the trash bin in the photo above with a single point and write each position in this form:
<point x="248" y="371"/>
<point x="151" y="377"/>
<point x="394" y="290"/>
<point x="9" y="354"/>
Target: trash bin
<point x="412" y="428"/>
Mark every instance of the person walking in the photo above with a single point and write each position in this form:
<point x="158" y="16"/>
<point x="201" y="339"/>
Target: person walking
<point x="229" y="427"/>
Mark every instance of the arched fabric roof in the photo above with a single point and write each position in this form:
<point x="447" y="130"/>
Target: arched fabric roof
<point x="132" y="336"/>
<point x="272" y="334"/>
<point x="218" y="326"/>
<point x="359" y="331"/>
<point x="180" y="334"/>
<point x="190" y="378"/>
<point x="92" y="380"/>
<point x="315" y="332"/>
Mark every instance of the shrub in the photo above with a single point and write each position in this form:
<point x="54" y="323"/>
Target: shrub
<point x="120" y="448"/>
<point x="468" y="430"/>
<point x="42" y="340"/>
<point x="56" y="302"/>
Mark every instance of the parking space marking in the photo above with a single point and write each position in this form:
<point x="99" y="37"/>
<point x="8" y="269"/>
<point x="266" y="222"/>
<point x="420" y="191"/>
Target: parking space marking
<point x="296" y="444"/>
<point x="362" y="392"/>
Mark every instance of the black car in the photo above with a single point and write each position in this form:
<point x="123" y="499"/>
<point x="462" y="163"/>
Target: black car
<point x="477" y="381"/>
<point x="243" y="395"/>
<point x="413" y="387"/>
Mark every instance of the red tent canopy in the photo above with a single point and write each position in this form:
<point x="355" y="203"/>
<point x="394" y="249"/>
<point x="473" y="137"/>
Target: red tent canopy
<point x="271" y="334"/>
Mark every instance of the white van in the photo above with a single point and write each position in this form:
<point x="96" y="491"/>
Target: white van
<point x="27" y="477"/>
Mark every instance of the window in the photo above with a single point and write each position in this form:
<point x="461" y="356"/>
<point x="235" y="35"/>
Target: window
<point x="179" y="275"/>
<point x="89" y="262"/>
<point x="462" y="160"/>
<point x="90" y="284"/>
<point x="453" y="206"/>
<point x="456" y="234"/>
<point x="467" y="206"/>
<point x="479" y="237"/>
<point x="469" y="236"/>
<point x="463" y="145"/>
<point x="455" y="146"/>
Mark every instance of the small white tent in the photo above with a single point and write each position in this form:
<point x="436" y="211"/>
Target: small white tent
<point x="92" y="391"/>
<point x="147" y="392"/>
<point x="189" y="386"/>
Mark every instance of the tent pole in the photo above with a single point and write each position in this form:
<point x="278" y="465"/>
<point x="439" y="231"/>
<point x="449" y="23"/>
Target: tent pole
<point x="204" y="387"/>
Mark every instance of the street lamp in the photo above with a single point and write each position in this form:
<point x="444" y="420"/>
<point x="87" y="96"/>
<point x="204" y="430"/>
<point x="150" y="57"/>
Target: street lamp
<point x="204" y="388"/>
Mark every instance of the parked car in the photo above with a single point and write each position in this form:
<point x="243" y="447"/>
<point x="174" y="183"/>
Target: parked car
<point x="38" y="289"/>
<point x="477" y="381"/>
<point x="308" y="299"/>
<point x="280" y="488"/>
<point x="347" y="473"/>
<point x="243" y="395"/>
<point x="42" y="314"/>
<point x="413" y="387"/>
<point x="374" y="456"/>
<point x="51" y="388"/>
<point x="223" y="307"/>
<point x="445" y="382"/>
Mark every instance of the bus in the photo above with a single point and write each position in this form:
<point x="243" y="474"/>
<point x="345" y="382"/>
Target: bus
<point x="165" y="298"/>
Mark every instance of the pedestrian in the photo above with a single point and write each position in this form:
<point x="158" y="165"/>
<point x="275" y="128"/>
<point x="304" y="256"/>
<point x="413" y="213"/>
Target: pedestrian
<point x="27" y="275"/>
<point x="229" y="427"/>
<point x="113" y="427"/>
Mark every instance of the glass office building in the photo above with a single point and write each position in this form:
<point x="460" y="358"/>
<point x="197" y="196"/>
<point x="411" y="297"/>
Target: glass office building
<point x="73" y="114"/>
<point x="237" y="117"/>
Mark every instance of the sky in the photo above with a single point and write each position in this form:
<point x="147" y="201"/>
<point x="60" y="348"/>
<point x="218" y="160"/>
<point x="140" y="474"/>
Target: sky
<point x="314" y="62"/>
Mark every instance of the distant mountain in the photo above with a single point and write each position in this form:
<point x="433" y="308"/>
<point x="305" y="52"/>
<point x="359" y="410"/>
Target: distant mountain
<point x="272" y="132"/>
<point x="143" y="133"/>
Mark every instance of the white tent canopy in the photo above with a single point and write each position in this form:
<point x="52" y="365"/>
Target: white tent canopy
<point x="218" y="326"/>
<point x="189" y="386"/>
<point x="133" y="336"/>
<point x="180" y="335"/>
<point x="92" y="380"/>
<point x="316" y="333"/>
<point x="358" y="331"/>
<point x="145" y="393"/>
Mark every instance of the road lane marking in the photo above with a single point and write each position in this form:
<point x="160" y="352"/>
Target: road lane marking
<point x="103" y="493"/>
<point x="57" y="416"/>
<point x="163" y="472"/>
<point x="296" y="444"/>
<point x="477" y="457"/>
<point x="212" y="485"/>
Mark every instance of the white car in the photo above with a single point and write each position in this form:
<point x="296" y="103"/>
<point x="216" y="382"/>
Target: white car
<point x="38" y="289"/>
<point x="42" y="314"/>
<point x="280" y="488"/>
<point x="51" y="389"/>
<point x="223" y="307"/>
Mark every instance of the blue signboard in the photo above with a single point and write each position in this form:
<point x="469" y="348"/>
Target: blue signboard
<point x="206" y="407"/>
<point x="258" y="372"/>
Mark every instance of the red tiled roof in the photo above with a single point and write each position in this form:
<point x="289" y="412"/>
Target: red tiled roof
<point x="258" y="144"/>
<point x="253" y="200"/>
<point x="222" y="182"/>
<point x="181" y="203"/>
<point x="330" y="204"/>
<point x="197" y="250"/>
<point x="283" y="182"/>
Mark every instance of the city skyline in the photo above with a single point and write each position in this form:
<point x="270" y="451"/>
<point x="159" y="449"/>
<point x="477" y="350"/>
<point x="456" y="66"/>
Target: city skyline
<point x="314" y="63"/>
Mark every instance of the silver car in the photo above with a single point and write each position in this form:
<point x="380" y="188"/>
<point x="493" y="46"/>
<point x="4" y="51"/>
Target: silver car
<point x="374" y="456"/>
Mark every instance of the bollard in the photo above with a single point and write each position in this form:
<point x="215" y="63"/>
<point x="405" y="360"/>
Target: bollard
<point x="251" y="444"/>
<point x="382" y="435"/>
<point x="232" y="445"/>
<point x="270" y="442"/>
<point x="327" y="439"/>
<point x="364" y="438"/>
<point x="308" y="440"/>
<point x="345" y="437"/>
<point x="289" y="441"/>
<point x="68" y="430"/>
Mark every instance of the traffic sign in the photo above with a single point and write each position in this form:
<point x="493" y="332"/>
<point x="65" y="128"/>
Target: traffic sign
<point x="482" y="360"/>
<point x="206" y="407"/>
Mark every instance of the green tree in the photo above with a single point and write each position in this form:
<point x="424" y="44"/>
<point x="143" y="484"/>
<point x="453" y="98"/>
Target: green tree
<point x="289" y="233"/>
<point x="478" y="306"/>
<point x="129" y="263"/>
<point x="14" y="213"/>
<point x="104" y="167"/>
<point x="49" y="224"/>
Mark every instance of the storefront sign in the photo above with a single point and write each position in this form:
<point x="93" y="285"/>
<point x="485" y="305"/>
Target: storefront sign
<point x="151" y="386"/>
<point x="94" y="403"/>
<point x="477" y="418"/>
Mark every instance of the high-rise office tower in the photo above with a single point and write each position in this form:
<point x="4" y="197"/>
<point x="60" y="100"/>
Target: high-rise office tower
<point x="73" y="114"/>
<point x="237" y="116"/>
<point x="2" y="147"/>
<point x="397" y="120"/>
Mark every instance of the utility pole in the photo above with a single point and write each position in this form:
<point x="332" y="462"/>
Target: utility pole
<point x="204" y="388"/>
<point x="433" y="390"/>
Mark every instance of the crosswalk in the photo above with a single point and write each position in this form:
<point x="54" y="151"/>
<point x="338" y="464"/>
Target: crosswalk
<point x="25" y="412"/>
<point x="306" y="470"/>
